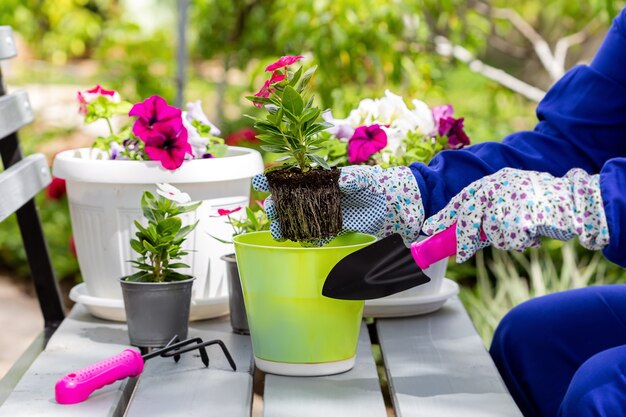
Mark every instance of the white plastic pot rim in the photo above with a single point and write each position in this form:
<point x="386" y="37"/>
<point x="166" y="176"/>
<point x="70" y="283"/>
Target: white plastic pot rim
<point x="89" y="165"/>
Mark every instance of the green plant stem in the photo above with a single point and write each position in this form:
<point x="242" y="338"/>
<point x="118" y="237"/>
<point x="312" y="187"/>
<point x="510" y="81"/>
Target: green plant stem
<point x="158" y="275"/>
<point x="109" y="124"/>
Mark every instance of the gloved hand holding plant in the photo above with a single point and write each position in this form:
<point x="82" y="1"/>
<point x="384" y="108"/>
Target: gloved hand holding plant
<point x="373" y="200"/>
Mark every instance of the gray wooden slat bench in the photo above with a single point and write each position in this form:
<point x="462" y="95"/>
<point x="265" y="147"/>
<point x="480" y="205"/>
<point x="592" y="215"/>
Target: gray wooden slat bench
<point x="436" y="365"/>
<point x="432" y="365"/>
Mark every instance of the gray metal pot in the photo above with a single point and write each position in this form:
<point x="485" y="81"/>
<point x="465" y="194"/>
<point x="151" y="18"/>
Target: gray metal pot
<point x="156" y="311"/>
<point x="238" y="318"/>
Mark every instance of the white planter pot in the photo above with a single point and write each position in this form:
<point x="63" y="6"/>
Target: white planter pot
<point x="104" y="198"/>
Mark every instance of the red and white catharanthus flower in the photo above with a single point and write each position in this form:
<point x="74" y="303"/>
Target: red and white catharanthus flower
<point x="283" y="61"/>
<point x="172" y="193"/>
<point x="88" y="96"/>
<point x="266" y="90"/>
<point x="226" y="212"/>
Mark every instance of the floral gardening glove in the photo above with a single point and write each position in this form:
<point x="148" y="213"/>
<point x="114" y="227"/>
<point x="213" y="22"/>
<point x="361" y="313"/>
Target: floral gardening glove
<point x="373" y="200"/>
<point x="514" y="208"/>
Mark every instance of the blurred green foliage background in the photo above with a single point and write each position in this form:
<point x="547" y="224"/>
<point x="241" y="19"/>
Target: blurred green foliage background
<point x="362" y="47"/>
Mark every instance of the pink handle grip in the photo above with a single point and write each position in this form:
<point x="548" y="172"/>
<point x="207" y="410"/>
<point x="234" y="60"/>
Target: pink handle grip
<point x="437" y="247"/>
<point x="77" y="386"/>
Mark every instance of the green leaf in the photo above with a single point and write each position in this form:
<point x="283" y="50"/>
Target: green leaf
<point x="189" y="207"/>
<point x="185" y="231"/>
<point x="292" y="101"/>
<point x="319" y="161"/>
<point x="274" y="149"/>
<point x="169" y="226"/>
<point x="137" y="246"/>
<point x="149" y="247"/>
<point x="306" y="78"/>
<point x="178" y="265"/>
<point x="140" y="276"/>
<point x="296" y="77"/>
<point x="310" y="114"/>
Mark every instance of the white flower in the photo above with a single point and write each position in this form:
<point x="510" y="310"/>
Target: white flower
<point x="195" y="112"/>
<point x="342" y="128"/>
<point x="395" y="136"/>
<point x="172" y="193"/>
<point x="198" y="143"/>
<point x="390" y="108"/>
<point x="423" y="116"/>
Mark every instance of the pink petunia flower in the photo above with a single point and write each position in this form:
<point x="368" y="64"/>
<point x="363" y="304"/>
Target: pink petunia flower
<point x="226" y="212"/>
<point x="366" y="141"/>
<point x="442" y="112"/>
<point x="155" y="117"/>
<point x="168" y="146"/>
<point x="88" y="96"/>
<point x="453" y="129"/>
<point x="283" y="62"/>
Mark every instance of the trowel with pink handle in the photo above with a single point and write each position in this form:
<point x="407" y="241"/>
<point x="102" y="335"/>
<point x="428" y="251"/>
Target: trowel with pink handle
<point x="387" y="266"/>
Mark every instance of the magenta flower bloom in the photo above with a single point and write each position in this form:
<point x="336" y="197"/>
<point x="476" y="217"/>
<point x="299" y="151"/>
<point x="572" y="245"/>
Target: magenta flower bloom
<point x="155" y="117"/>
<point x="366" y="141"/>
<point x="453" y="129"/>
<point x="283" y="62"/>
<point x="168" y="146"/>
<point x="266" y="90"/>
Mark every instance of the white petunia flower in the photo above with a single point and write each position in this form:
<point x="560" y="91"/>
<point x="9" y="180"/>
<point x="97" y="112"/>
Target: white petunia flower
<point x="198" y="143"/>
<point x="195" y="112"/>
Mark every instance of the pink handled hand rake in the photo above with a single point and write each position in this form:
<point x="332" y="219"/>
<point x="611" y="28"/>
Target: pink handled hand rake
<point x="77" y="386"/>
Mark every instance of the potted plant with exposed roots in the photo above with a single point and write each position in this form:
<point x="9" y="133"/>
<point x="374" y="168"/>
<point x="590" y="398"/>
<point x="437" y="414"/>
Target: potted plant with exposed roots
<point x="304" y="187"/>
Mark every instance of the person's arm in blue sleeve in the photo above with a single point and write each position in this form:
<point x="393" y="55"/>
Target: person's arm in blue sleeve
<point x="582" y="123"/>
<point x="613" y="189"/>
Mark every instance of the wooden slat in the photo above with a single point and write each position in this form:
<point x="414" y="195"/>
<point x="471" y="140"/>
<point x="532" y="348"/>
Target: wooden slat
<point x="7" y="43"/>
<point x="354" y="393"/>
<point x="81" y="340"/>
<point x="188" y="388"/>
<point x="15" y="112"/>
<point x="19" y="368"/>
<point x="438" y="366"/>
<point x="21" y="182"/>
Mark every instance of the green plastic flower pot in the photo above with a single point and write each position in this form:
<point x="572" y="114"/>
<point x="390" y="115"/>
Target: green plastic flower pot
<point x="295" y="330"/>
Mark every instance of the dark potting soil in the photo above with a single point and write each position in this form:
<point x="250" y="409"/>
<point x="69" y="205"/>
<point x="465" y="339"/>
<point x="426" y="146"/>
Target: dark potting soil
<point x="308" y="204"/>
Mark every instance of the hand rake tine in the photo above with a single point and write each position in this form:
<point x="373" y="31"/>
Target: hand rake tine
<point x="204" y="355"/>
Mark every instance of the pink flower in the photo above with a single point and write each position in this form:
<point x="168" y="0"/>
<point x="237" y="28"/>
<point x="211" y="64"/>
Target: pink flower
<point x="441" y="112"/>
<point x="266" y="90"/>
<point x="366" y="141"/>
<point x="283" y="62"/>
<point x="226" y="212"/>
<point x="245" y="134"/>
<point x="453" y="129"/>
<point x="155" y="117"/>
<point x="57" y="189"/>
<point x="72" y="246"/>
<point x="88" y="96"/>
<point x="168" y="146"/>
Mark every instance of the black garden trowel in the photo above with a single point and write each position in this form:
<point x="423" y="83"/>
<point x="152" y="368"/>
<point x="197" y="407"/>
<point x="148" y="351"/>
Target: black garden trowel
<point x="387" y="267"/>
